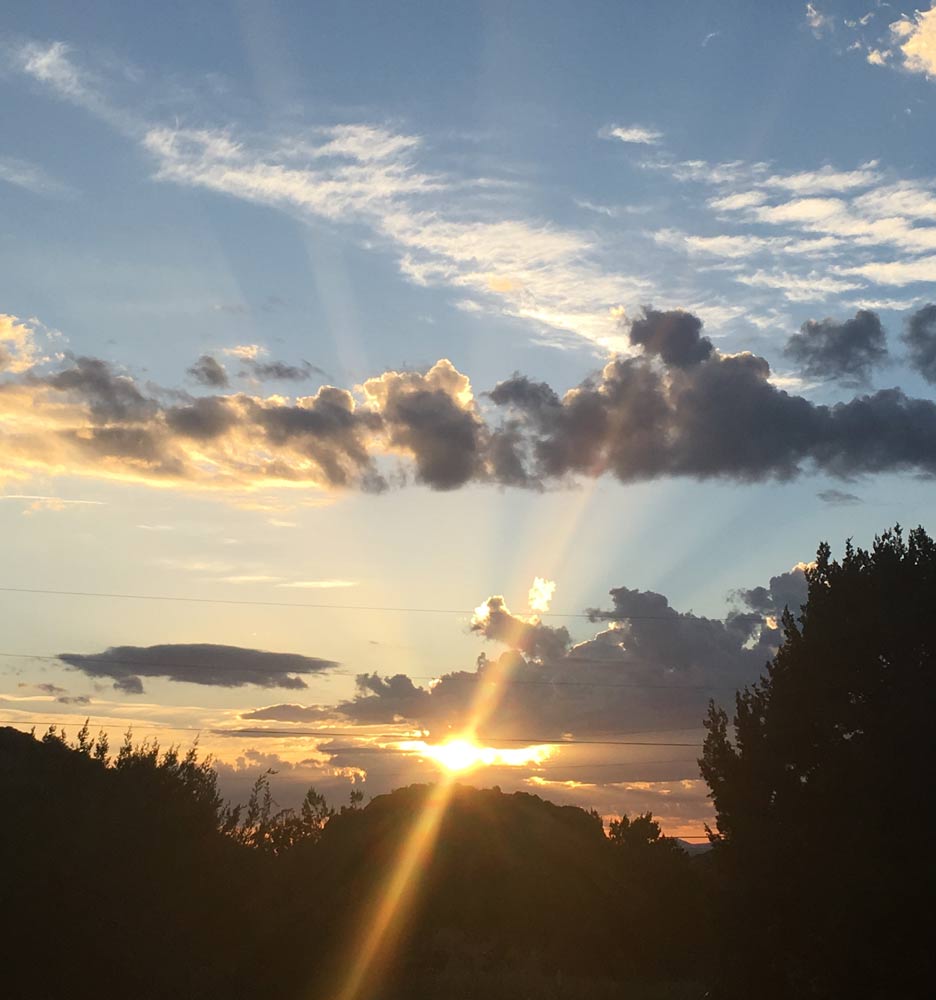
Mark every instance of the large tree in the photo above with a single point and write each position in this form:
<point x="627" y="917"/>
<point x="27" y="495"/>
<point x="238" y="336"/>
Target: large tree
<point x="822" y="787"/>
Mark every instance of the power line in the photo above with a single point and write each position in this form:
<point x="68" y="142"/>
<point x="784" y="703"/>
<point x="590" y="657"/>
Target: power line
<point x="330" y="734"/>
<point x="675" y="618"/>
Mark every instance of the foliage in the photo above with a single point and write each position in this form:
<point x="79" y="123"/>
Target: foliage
<point x="819" y="898"/>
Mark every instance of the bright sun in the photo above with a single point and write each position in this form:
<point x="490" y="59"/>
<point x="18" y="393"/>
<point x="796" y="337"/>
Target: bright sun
<point x="458" y="755"/>
<point x="462" y="754"/>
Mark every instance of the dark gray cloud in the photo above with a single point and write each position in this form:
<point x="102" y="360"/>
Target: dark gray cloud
<point x="328" y="428"/>
<point x="45" y="688"/>
<point x="675" y="336"/>
<point x="289" y="713"/>
<point x="433" y="418"/>
<point x="197" y="663"/>
<point x="720" y="418"/>
<point x="681" y="409"/>
<point x="280" y="371"/>
<point x="846" y="351"/>
<point x="528" y="636"/>
<point x="786" y="590"/>
<point x="60" y="694"/>
<point x="210" y="372"/>
<point x="111" y="398"/>
<point x="651" y="668"/>
<point x="920" y="339"/>
<point x="203" y="419"/>
<point x="838" y="498"/>
<point x="385" y="699"/>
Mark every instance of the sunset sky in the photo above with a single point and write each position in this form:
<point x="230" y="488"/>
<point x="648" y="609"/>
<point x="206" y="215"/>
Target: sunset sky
<point x="351" y="329"/>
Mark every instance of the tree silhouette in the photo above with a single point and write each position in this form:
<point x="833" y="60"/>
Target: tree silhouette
<point x="822" y="791"/>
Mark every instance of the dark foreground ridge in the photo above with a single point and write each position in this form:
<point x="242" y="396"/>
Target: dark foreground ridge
<point x="136" y="874"/>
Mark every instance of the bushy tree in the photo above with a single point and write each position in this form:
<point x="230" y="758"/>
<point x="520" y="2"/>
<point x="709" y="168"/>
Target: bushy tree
<point x="821" y="787"/>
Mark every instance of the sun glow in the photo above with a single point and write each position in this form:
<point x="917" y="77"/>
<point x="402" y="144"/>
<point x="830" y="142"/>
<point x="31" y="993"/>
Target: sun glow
<point x="462" y="754"/>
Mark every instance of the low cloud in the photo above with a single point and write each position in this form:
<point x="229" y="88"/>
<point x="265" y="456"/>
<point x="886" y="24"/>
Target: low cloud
<point x="210" y="372"/>
<point x="197" y="663"/>
<point x="785" y="591"/>
<point x="280" y="371"/>
<point x="678" y="408"/>
<point x="651" y="667"/>
<point x="838" y="498"/>
<point x="18" y="351"/>
<point x="289" y="713"/>
<point x="846" y="351"/>
<point x="920" y="340"/>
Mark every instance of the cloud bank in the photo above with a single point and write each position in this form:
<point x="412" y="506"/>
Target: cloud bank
<point x="651" y="668"/>
<point x="678" y="408"/>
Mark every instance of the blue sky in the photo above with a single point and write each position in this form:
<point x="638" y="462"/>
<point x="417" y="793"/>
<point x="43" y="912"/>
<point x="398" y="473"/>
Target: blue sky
<point x="357" y="189"/>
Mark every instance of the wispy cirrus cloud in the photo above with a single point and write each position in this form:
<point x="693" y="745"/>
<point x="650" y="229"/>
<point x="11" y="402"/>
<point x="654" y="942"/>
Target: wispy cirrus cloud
<point x="637" y="134"/>
<point x="810" y="235"/>
<point x="779" y="237"/>
<point x="370" y="174"/>
<point x="30" y="177"/>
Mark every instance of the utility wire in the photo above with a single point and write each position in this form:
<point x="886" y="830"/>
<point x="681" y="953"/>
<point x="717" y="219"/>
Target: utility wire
<point x="674" y="618"/>
<point x="330" y="734"/>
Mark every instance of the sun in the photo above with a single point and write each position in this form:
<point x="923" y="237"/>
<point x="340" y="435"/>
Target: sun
<point x="461" y="754"/>
<point x="458" y="755"/>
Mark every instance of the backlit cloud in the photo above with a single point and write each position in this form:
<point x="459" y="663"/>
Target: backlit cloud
<point x="652" y="668"/>
<point x="541" y="594"/>
<point x="680" y="408"/>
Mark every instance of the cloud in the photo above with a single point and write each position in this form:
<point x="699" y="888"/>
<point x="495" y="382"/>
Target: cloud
<point x="368" y="174"/>
<point x="541" y="594"/>
<point x="827" y="223"/>
<point x="433" y="417"/>
<point x="920" y="339"/>
<point x="197" y="663"/>
<point x="638" y="134"/>
<point x="210" y="372"/>
<point x="60" y="694"/>
<point x="682" y="408"/>
<point x="29" y="177"/>
<point x="18" y="351"/>
<point x="838" y="498"/>
<point x="652" y="668"/>
<point x="245" y="352"/>
<point x="674" y="336"/>
<point x="897" y="272"/>
<point x="111" y="397"/>
<point x="529" y="636"/>
<point x="381" y="699"/>
<point x="915" y="38"/>
<point x="786" y="590"/>
<point x="846" y="351"/>
<point x="280" y="371"/>
<point x="289" y="713"/>
<point x="818" y="22"/>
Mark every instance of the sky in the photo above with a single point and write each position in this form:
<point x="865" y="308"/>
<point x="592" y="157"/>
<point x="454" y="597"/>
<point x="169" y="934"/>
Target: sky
<point x="418" y="373"/>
